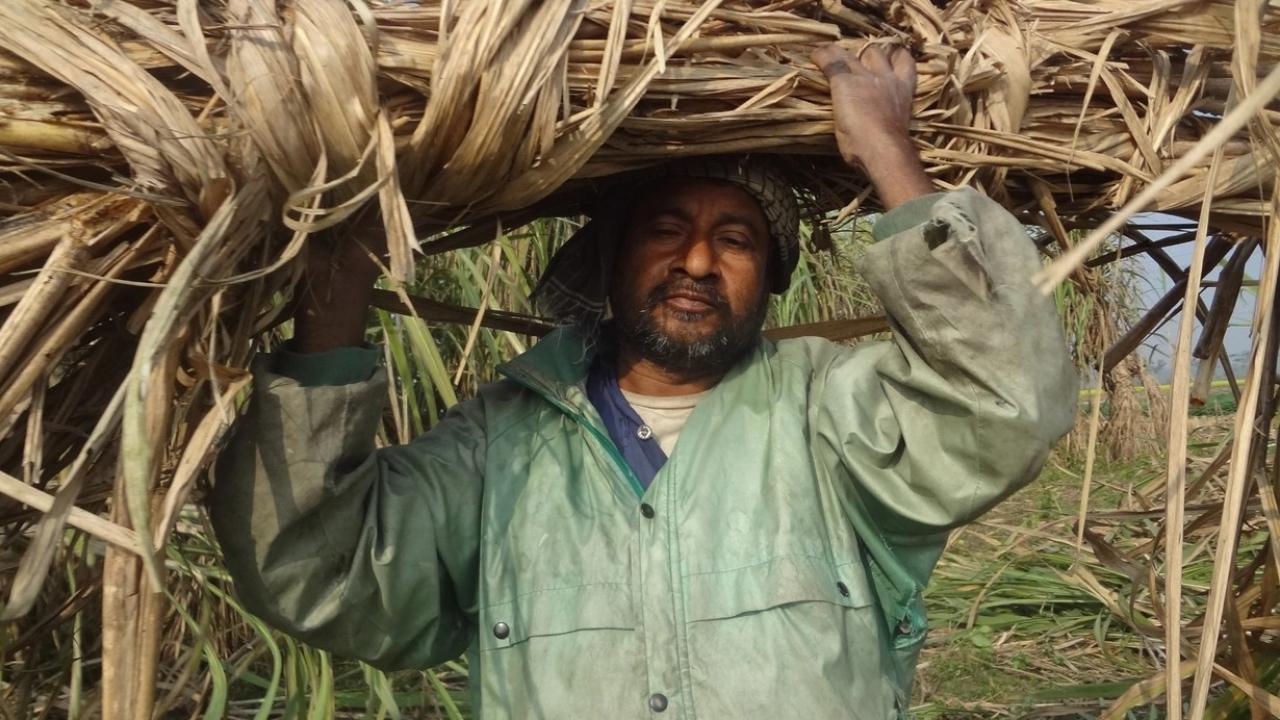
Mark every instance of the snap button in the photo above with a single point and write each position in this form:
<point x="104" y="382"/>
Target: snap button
<point x="644" y="432"/>
<point x="842" y="589"/>
<point x="657" y="702"/>
<point x="501" y="631"/>
<point x="646" y="510"/>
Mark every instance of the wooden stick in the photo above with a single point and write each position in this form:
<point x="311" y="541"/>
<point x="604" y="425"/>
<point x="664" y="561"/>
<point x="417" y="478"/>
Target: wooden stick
<point x="834" y="330"/>
<point x="437" y="311"/>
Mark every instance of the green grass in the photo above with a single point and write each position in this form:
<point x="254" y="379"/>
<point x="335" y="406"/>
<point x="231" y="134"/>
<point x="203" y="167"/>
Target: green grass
<point x="1220" y="402"/>
<point x="1018" y="634"/>
<point x="1010" y="624"/>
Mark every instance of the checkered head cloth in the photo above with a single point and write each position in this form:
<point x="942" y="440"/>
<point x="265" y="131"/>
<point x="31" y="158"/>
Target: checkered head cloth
<point x="574" y="287"/>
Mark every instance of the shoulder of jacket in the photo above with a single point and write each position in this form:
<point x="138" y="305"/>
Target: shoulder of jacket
<point x="818" y="356"/>
<point x="807" y="352"/>
<point x="505" y="403"/>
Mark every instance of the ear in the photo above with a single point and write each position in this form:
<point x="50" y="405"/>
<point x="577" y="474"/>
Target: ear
<point x="771" y="268"/>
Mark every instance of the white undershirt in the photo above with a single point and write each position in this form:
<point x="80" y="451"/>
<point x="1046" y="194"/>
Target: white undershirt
<point x="664" y="414"/>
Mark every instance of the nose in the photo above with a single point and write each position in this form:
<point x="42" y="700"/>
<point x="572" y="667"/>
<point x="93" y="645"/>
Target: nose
<point x="697" y="258"/>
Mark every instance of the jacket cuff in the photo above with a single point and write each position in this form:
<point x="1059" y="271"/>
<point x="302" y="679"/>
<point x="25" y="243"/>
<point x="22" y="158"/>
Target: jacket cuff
<point x="340" y="366"/>
<point x="906" y="216"/>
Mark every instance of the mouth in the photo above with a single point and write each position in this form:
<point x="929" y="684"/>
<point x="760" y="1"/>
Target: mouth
<point x="690" y="303"/>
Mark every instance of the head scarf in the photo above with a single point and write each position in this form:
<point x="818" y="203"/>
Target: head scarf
<point x="575" y="286"/>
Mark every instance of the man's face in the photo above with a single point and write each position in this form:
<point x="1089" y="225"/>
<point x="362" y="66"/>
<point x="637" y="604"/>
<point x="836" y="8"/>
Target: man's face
<point x="689" y="290"/>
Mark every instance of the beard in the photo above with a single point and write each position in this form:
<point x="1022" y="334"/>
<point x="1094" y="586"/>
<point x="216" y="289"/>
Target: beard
<point x="713" y="352"/>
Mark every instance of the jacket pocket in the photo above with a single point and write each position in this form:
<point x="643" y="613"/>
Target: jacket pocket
<point x="560" y="653"/>
<point x="780" y="581"/>
<point x="556" y="611"/>
<point x="758" y="633"/>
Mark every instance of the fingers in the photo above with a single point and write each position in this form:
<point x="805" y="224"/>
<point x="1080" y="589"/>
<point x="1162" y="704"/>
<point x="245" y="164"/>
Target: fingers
<point x="875" y="60"/>
<point x="904" y="67"/>
<point x="825" y="55"/>
<point x="834" y="60"/>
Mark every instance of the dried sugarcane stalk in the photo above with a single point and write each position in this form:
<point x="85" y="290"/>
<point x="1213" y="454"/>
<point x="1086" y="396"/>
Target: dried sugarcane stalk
<point x="1160" y="309"/>
<point x="1218" y="320"/>
<point x="98" y="527"/>
<point x="1238" y="476"/>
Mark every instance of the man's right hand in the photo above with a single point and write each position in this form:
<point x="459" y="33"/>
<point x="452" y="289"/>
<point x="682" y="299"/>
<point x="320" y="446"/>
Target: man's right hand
<point x="333" y="301"/>
<point x="871" y="95"/>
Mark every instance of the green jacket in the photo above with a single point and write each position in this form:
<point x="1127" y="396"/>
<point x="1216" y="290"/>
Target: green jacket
<point x="772" y="569"/>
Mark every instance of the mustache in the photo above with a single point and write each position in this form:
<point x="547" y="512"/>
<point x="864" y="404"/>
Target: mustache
<point x="704" y="291"/>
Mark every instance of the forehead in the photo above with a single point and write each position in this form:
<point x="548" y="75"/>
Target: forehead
<point x="692" y="196"/>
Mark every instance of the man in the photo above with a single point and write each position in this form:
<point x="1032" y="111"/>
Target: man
<point x="769" y="563"/>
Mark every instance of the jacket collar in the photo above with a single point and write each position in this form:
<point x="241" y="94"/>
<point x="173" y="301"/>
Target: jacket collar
<point x="555" y="365"/>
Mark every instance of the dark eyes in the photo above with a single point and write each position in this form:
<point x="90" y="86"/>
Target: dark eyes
<point x="671" y="231"/>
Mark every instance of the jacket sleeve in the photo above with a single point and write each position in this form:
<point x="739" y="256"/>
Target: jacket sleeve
<point x="962" y="407"/>
<point x="370" y="553"/>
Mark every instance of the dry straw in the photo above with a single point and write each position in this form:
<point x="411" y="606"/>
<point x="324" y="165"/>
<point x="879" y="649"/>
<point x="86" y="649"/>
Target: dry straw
<point x="166" y="161"/>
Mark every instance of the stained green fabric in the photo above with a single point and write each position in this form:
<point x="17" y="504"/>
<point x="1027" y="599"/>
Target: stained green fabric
<point x="905" y="216"/>
<point x="339" y="366"/>
<point x="777" y="570"/>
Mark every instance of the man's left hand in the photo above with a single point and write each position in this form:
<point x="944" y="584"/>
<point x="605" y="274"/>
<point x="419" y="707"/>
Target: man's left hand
<point x="871" y="94"/>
